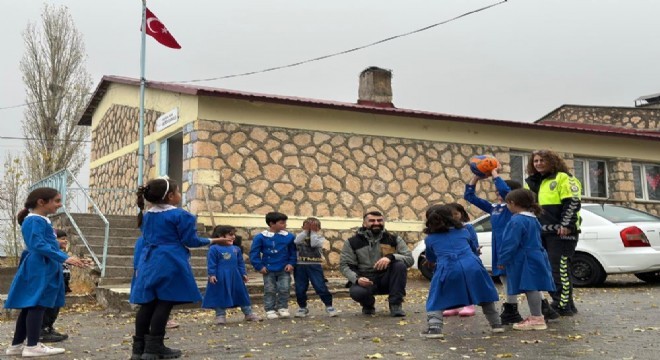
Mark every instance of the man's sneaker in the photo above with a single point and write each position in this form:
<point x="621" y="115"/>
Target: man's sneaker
<point x="531" y="323"/>
<point x="284" y="313"/>
<point x="272" y="315"/>
<point x="220" y="320"/>
<point x="497" y="329"/>
<point x="510" y="314"/>
<point x="397" y="310"/>
<point x="49" y="335"/>
<point x="40" y="350"/>
<point x="549" y="314"/>
<point x="467" y="311"/>
<point x="252" y="317"/>
<point x="14" y="350"/>
<point x="301" y="313"/>
<point x="451" y="312"/>
<point x="368" y="310"/>
<point x="432" y="333"/>
<point x="332" y="312"/>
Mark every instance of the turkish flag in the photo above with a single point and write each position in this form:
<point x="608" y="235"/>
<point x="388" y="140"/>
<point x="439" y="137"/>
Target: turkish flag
<point x="158" y="31"/>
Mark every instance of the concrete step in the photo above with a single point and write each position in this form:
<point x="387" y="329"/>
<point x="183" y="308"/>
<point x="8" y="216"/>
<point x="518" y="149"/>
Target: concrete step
<point x="115" y="297"/>
<point x="127" y="271"/>
<point x="127" y="261"/>
<point x="113" y="241"/>
<point x="116" y="221"/>
<point x="128" y="250"/>
<point x="90" y="231"/>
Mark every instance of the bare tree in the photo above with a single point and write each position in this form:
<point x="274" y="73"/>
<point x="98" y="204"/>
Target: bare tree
<point x="57" y="87"/>
<point x="12" y="194"/>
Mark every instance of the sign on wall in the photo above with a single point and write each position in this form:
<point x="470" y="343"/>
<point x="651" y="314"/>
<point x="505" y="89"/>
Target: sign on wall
<point x="168" y="119"/>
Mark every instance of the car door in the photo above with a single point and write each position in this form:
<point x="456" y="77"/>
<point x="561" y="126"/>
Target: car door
<point x="484" y="228"/>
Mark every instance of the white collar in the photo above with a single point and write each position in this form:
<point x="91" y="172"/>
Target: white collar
<point x="161" y="207"/>
<point x="267" y="233"/>
<point x="527" y="213"/>
<point x="41" y="216"/>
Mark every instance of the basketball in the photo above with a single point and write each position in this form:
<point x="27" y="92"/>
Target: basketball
<point x="482" y="165"/>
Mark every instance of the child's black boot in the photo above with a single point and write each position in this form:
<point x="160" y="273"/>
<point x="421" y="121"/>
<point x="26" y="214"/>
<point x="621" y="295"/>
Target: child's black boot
<point x="138" y="348"/>
<point x="510" y="314"/>
<point x="154" y="349"/>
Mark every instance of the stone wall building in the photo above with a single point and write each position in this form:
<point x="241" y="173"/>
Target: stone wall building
<point x="240" y="155"/>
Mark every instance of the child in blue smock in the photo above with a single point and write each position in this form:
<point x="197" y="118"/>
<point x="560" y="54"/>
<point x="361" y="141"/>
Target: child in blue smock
<point x="227" y="278"/>
<point x="460" y="278"/>
<point x="39" y="280"/>
<point x="523" y="257"/>
<point x="459" y="214"/>
<point x="163" y="276"/>
<point x="273" y="254"/>
<point x="499" y="218"/>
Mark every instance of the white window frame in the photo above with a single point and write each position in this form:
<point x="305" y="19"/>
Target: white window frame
<point x="586" y="183"/>
<point x="525" y="161"/>
<point x="645" y="189"/>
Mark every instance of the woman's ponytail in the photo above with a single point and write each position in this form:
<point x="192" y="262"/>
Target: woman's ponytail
<point x="20" y="217"/>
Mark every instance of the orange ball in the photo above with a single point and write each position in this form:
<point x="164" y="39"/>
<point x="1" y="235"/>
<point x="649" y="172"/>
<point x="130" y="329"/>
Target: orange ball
<point x="482" y="165"/>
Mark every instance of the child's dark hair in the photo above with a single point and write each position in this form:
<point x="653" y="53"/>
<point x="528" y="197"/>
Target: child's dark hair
<point x="513" y="185"/>
<point x="45" y="193"/>
<point x="222" y="230"/>
<point x="458" y="207"/>
<point x="525" y="199"/>
<point x="439" y="219"/>
<point x="60" y="233"/>
<point x="155" y="192"/>
<point x="273" y="217"/>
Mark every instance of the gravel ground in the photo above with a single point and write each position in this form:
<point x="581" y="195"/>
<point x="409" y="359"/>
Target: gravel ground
<point x="619" y="320"/>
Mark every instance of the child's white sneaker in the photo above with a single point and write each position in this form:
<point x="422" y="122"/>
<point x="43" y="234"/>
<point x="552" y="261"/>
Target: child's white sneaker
<point x="14" y="350"/>
<point x="41" y="350"/>
<point x="284" y="313"/>
<point x="271" y="315"/>
<point x="332" y="312"/>
<point x="302" y="312"/>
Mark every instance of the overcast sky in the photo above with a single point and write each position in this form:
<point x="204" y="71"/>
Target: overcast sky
<point x="516" y="61"/>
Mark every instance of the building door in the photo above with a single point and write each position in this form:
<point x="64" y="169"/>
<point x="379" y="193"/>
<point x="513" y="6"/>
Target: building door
<point x="171" y="157"/>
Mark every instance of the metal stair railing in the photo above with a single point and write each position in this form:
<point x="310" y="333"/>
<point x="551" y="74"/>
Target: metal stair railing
<point x="60" y="181"/>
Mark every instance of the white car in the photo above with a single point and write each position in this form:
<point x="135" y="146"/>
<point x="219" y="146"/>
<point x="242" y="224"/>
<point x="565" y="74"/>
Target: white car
<point x="614" y="240"/>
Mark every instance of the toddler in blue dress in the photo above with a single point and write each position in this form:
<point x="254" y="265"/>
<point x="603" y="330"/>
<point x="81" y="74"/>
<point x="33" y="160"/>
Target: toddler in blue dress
<point x="460" y="278"/>
<point x="227" y="278"/>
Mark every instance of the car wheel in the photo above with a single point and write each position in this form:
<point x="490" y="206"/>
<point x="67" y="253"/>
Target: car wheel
<point x="652" y="277"/>
<point x="423" y="267"/>
<point x="586" y="271"/>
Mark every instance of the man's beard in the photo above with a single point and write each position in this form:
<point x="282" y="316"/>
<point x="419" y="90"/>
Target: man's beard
<point x="376" y="229"/>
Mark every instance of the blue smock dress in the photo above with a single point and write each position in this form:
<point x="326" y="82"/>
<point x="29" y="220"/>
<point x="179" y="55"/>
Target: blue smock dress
<point x="499" y="217"/>
<point x="523" y="255"/>
<point x="163" y="269"/>
<point x="227" y="265"/>
<point x="460" y="278"/>
<point x="39" y="280"/>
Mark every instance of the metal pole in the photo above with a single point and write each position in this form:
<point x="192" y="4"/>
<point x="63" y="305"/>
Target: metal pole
<point x="142" y="86"/>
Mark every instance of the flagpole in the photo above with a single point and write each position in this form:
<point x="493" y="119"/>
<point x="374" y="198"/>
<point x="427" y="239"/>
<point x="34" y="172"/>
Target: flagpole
<point x="142" y="86"/>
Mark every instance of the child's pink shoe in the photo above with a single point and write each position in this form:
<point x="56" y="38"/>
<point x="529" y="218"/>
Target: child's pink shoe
<point x="467" y="311"/>
<point x="451" y="312"/>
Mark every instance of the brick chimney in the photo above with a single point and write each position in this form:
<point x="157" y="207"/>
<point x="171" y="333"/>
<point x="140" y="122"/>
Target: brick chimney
<point x="375" y="87"/>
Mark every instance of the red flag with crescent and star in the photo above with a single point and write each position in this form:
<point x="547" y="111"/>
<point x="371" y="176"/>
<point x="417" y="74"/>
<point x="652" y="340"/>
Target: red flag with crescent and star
<point x="158" y="31"/>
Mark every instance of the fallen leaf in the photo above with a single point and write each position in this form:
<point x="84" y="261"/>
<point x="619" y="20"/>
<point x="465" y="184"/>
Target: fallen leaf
<point x="374" y="356"/>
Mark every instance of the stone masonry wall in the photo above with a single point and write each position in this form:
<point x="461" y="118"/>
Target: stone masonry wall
<point x="634" y="118"/>
<point x="253" y="171"/>
<point x="119" y="127"/>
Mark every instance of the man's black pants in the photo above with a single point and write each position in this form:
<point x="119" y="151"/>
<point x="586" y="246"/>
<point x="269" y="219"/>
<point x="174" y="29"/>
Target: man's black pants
<point x="392" y="282"/>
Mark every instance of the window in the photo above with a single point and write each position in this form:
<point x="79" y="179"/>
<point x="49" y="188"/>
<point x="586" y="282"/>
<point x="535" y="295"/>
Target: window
<point x="593" y="176"/>
<point x="519" y="167"/>
<point x="647" y="181"/>
<point x="483" y="225"/>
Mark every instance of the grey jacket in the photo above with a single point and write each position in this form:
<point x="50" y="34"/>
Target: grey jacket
<point x="363" y="250"/>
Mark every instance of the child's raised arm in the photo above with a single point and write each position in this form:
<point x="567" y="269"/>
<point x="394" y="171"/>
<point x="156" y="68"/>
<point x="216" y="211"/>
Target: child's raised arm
<point x="471" y="196"/>
<point x="316" y="240"/>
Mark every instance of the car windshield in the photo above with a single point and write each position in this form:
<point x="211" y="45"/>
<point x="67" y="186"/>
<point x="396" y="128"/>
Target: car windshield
<point x="618" y="214"/>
